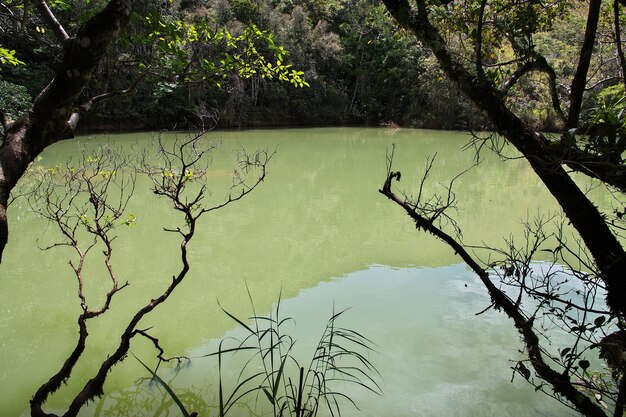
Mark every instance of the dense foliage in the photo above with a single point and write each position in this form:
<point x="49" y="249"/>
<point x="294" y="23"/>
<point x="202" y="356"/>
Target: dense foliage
<point x="359" y="67"/>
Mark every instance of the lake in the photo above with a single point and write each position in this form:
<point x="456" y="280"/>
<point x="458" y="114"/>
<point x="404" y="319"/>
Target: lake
<point x="317" y="233"/>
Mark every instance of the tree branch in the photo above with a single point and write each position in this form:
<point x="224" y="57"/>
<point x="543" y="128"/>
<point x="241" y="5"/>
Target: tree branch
<point x="157" y="346"/>
<point x="560" y="382"/>
<point x="52" y="21"/>
<point x="540" y="64"/>
<point x="74" y="117"/>
<point x="590" y="164"/>
<point x="47" y="120"/>
<point x="579" y="81"/>
<point x="582" y="213"/>
<point x="618" y="39"/>
<point x="480" y="73"/>
<point x="88" y="105"/>
<point x="55" y="382"/>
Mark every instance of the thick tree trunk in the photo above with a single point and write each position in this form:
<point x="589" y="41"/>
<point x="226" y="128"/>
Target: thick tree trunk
<point x="47" y="120"/>
<point x="14" y="160"/>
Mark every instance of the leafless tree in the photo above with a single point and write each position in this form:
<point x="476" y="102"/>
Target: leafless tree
<point x="86" y="200"/>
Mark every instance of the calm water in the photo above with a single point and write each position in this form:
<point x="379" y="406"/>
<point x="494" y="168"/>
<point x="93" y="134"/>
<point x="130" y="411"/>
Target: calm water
<point x="319" y="232"/>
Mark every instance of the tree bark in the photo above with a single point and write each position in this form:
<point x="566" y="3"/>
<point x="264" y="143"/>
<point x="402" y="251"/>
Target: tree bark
<point x="47" y="120"/>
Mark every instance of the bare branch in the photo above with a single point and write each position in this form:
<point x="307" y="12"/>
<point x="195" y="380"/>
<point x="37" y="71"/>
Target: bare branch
<point x="157" y="346"/>
<point x="524" y="325"/>
<point x="88" y="105"/>
<point x="600" y="82"/>
<point x="176" y="179"/>
<point x="55" y="382"/>
<point x="258" y="160"/>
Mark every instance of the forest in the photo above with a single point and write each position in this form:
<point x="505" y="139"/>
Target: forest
<point x="536" y="82"/>
<point x="360" y="69"/>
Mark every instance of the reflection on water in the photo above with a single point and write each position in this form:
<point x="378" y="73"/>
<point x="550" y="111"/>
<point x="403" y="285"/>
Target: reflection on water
<point x="435" y="356"/>
<point x="317" y="216"/>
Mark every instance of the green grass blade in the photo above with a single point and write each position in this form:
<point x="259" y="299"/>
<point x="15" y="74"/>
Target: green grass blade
<point x="241" y="323"/>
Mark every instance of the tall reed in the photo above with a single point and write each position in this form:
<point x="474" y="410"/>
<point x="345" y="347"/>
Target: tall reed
<point x="276" y="381"/>
<point x="291" y="389"/>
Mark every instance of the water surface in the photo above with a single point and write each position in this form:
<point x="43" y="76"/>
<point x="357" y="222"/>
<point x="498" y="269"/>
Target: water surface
<point x="316" y="231"/>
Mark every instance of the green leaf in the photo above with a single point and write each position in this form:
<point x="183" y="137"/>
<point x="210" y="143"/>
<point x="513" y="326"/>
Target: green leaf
<point x="7" y="56"/>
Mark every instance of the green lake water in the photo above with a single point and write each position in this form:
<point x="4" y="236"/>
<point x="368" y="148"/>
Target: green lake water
<point x="317" y="231"/>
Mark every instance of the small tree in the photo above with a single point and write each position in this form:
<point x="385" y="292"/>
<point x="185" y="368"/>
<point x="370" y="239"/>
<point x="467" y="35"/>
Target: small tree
<point x="87" y="202"/>
<point x="490" y="49"/>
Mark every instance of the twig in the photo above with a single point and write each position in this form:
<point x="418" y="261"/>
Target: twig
<point x="157" y="346"/>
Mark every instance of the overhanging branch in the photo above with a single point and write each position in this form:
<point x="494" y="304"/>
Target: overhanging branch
<point x="47" y="120"/>
<point x="52" y="22"/>
<point x="88" y="105"/>
<point x="591" y="165"/>
<point x="581" y="212"/>
<point x="560" y="382"/>
<point x="74" y="117"/>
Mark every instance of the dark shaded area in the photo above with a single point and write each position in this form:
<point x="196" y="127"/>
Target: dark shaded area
<point x="361" y="71"/>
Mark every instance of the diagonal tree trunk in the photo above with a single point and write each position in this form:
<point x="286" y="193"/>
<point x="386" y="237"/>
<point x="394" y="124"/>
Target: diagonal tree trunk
<point x="52" y="116"/>
<point x="582" y="213"/>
